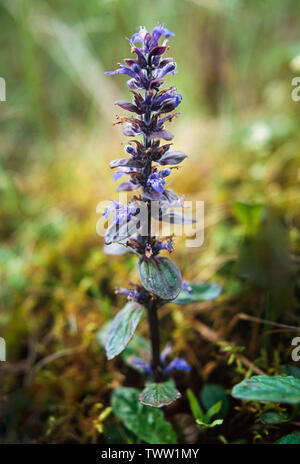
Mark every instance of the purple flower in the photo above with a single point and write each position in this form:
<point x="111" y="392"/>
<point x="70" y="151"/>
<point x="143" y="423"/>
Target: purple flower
<point x="131" y="129"/>
<point x="166" y="102"/>
<point x="156" y="180"/>
<point x="142" y="365"/>
<point x="178" y="364"/>
<point x="131" y="294"/>
<point x="121" y="171"/>
<point x="169" y="68"/>
<point x="157" y="32"/>
<point x="138" y="294"/>
<point x="129" y="149"/>
<point x="117" y="175"/>
<point x="150" y="52"/>
<point x="122" y="70"/>
<point x="166" y="246"/>
<point x="166" y="172"/>
<point x="139" y="37"/>
<point x="185" y="286"/>
<point x="160" y="30"/>
<point x="151" y="109"/>
<point x="165" y="352"/>
<point x="109" y="210"/>
<point x="122" y="212"/>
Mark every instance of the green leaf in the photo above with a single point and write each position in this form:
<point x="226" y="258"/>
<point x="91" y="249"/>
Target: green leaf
<point x="216" y="422"/>
<point x="248" y="214"/>
<point x="201" y="292"/>
<point x="212" y="394"/>
<point x="116" y="433"/>
<point x="194" y="405"/>
<point x="231" y="359"/>
<point x="122" y="328"/>
<point x="273" y="418"/>
<point x="276" y="389"/>
<point x="290" y="439"/>
<point x="291" y="370"/>
<point x="201" y="418"/>
<point x="213" y="411"/>
<point x="103" y="333"/>
<point x="159" y="394"/>
<point x="160" y="277"/>
<point x="148" y="424"/>
<point x="139" y="347"/>
<point x="213" y="424"/>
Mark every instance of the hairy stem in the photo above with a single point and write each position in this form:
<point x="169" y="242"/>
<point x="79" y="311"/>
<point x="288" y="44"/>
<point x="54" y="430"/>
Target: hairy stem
<point x="152" y="307"/>
<point x="155" y="342"/>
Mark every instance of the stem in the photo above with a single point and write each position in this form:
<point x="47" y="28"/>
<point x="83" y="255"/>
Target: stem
<point x="156" y="366"/>
<point x="149" y="221"/>
<point x="155" y="342"/>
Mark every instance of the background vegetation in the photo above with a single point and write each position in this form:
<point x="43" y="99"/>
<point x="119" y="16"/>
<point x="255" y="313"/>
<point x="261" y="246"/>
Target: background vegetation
<point x="239" y="126"/>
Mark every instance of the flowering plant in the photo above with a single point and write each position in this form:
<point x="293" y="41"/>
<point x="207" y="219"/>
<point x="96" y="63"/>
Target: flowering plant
<point x="160" y="279"/>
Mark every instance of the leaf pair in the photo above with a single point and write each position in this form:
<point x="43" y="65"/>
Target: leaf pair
<point x="159" y="276"/>
<point x="119" y="335"/>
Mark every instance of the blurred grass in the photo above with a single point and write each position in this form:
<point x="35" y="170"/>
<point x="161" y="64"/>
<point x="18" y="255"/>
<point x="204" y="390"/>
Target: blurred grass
<point x="239" y="127"/>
